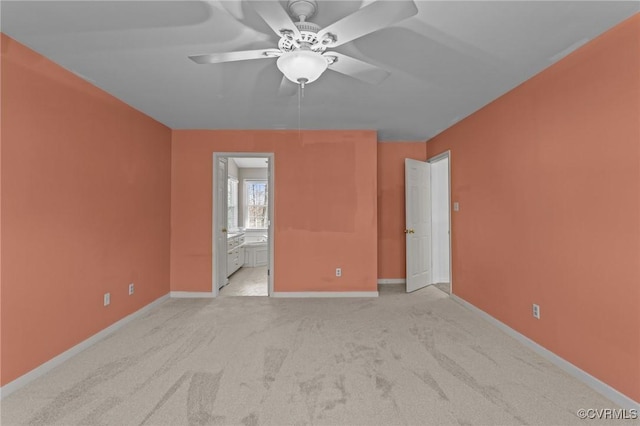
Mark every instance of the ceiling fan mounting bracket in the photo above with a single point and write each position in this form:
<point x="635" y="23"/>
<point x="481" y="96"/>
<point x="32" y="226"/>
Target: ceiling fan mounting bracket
<point x="330" y="59"/>
<point x="302" y="9"/>
<point x="329" y="38"/>
<point x="272" y="53"/>
<point x="288" y="34"/>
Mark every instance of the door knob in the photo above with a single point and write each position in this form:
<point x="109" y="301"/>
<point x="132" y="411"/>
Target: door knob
<point x="409" y="231"/>
<point x="224" y="229"/>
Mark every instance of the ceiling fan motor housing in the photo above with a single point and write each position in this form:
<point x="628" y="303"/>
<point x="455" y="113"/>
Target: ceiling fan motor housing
<point x="308" y="26"/>
<point x="308" y="38"/>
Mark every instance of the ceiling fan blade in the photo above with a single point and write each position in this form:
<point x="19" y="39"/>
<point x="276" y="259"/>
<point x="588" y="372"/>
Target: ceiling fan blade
<point x="231" y="7"/>
<point x="275" y="16"/>
<point x="214" y="58"/>
<point x="356" y="68"/>
<point x="287" y="87"/>
<point x="370" y="18"/>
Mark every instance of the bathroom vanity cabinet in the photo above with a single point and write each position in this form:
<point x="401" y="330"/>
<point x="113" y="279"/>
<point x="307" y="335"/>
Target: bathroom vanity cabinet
<point x="235" y="253"/>
<point x="256" y="254"/>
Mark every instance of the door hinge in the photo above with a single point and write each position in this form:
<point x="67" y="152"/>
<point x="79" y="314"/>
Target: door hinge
<point x="268" y="272"/>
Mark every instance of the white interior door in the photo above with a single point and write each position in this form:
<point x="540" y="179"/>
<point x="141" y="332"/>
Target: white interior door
<point x="418" y="223"/>
<point x="221" y="223"/>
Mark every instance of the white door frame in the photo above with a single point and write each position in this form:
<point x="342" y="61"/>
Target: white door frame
<point x="271" y="209"/>
<point x="435" y="158"/>
<point x="221" y="168"/>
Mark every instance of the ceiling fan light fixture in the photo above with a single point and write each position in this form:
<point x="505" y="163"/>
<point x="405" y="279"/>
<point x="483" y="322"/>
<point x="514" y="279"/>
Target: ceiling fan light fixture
<point x="302" y="66"/>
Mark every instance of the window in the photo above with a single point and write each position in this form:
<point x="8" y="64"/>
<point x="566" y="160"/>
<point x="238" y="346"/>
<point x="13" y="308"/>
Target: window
<point x="255" y="204"/>
<point x="232" y="203"/>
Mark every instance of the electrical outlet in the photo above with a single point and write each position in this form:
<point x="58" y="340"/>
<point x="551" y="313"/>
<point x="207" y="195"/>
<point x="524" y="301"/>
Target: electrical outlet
<point x="130" y="289"/>
<point x="338" y="272"/>
<point x="536" y="311"/>
<point x="107" y="299"/>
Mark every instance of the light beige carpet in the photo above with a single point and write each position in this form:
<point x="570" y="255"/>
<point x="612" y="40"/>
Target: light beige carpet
<point x="417" y="359"/>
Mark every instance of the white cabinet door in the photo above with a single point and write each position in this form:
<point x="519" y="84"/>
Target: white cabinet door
<point x="230" y="264"/>
<point x="241" y="254"/>
<point x="262" y="256"/>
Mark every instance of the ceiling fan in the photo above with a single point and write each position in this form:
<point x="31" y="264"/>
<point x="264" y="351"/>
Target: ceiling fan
<point x="302" y="49"/>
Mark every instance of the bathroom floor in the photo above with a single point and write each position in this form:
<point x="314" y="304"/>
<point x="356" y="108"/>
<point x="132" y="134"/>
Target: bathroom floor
<point x="247" y="282"/>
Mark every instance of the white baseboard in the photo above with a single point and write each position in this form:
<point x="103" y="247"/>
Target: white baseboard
<point x="42" y="369"/>
<point x="392" y="281"/>
<point x="324" y="294"/>
<point x="190" y="294"/>
<point x="596" y="384"/>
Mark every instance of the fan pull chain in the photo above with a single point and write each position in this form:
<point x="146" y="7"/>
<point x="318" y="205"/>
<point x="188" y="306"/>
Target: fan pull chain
<point x="299" y="102"/>
<point x="300" y="96"/>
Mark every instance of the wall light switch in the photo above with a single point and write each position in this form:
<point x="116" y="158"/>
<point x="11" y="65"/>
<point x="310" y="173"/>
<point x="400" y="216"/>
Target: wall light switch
<point x="456" y="206"/>
<point x="107" y="299"/>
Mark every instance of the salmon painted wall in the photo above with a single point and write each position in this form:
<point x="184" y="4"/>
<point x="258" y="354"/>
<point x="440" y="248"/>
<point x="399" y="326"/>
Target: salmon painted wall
<point x="325" y="207"/>
<point x="548" y="181"/>
<point x="391" y="215"/>
<point x="85" y="209"/>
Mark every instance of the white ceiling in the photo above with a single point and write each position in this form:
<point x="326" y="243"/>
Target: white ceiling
<point x="251" y="162"/>
<point x="446" y="62"/>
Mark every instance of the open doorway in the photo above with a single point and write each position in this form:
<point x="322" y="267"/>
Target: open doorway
<point x="441" y="221"/>
<point x="242" y="224"/>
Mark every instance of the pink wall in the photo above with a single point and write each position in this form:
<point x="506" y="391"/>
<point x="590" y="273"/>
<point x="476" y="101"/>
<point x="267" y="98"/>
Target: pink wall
<point x="391" y="217"/>
<point x="325" y="207"/>
<point x="548" y="181"/>
<point x="85" y="209"/>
